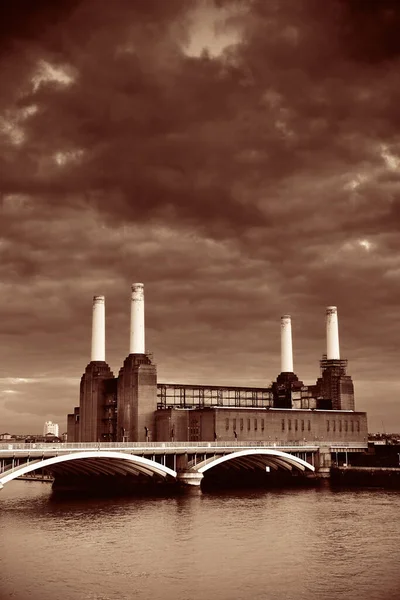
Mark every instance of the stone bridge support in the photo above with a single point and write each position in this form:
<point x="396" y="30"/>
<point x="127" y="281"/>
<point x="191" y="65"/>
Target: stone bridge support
<point x="323" y="462"/>
<point x="184" y="475"/>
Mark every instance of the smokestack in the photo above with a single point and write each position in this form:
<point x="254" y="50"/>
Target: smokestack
<point x="98" y="329"/>
<point x="332" y="334"/>
<point x="286" y="345"/>
<point x="137" y="320"/>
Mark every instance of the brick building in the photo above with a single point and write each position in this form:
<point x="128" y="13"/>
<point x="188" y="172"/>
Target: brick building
<point x="135" y="407"/>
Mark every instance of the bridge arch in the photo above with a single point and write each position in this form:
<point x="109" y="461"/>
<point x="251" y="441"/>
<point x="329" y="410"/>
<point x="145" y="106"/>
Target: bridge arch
<point x="250" y="458"/>
<point x="93" y="463"/>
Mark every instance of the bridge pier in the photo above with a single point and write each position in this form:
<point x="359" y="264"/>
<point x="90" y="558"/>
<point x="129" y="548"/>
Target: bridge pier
<point x="323" y="462"/>
<point x="181" y="462"/>
<point x="191" y="478"/>
<point x="184" y="475"/>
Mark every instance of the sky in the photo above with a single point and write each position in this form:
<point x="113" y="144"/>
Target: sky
<point x="241" y="159"/>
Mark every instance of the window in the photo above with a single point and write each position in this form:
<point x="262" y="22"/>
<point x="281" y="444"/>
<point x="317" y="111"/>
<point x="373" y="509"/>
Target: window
<point x="227" y="424"/>
<point x="234" y="424"/>
<point x="255" y="424"/>
<point x="309" y="425"/>
<point x="345" y="426"/>
<point x="241" y="424"/>
<point x="262" y="424"/>
<point x="327" y="425"/>
<point x="283" y="424"/>
<point x="295" y="425"/>
<point x="290" y="424"/>
<point x="194" y="431"/>
<point x="340" y="426"/>
<point x="248" y="424"/>
<point x="302" y="424"/>
<point x="334" y="425"/>
<point x="352" y="426"/>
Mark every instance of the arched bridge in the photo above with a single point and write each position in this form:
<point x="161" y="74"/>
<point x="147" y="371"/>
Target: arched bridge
<point x="92" y="464"/>
<point x="163" y="462"/>
<point x="261" y="457"/>
<point x="245" y="461"/>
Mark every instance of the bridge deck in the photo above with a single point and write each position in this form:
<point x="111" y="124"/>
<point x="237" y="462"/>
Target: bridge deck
<point x="181" y="460"/>
<point x="156" y="448"/>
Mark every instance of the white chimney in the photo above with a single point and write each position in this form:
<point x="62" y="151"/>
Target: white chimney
<point x="98" y="329"/>
<point x="286" y="345"/>
<point x="332" y="334"/>
<point x="137" y="320"/>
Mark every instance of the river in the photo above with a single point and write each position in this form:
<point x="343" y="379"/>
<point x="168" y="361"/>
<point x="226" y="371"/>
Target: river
<point x="313" y="543"/>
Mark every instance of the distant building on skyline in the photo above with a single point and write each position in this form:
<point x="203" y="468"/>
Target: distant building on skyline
<point x="50" y="427"/>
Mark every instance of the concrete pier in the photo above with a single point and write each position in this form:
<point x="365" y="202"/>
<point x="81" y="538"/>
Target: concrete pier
<point x="188" y="478"/>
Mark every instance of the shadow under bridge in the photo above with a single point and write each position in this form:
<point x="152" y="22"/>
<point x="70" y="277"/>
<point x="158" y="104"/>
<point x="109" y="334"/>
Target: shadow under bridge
<point x="251" y="466"/>
<point x="95" y="469"/>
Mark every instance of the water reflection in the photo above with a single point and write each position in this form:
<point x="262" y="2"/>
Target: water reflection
<point x="278" y="544"/>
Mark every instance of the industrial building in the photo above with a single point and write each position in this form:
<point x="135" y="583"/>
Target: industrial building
<point x="135" y="407"/>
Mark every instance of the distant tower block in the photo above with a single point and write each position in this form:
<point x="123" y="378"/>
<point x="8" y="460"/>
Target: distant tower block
<point x="286" y="345"/>
<point x="137" y="344"/>
<point x="332" y="334"/>
<point x="98" y="330"/>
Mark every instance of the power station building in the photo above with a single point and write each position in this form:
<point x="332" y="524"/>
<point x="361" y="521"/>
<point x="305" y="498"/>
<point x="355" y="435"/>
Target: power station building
<point x="135" y="407"/>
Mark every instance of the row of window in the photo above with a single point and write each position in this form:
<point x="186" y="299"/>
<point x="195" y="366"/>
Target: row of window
<point x="343" y="426"/>
<point x="202" y="394"/>
<point x="188" y="401"/>
<point x="296" y="424"/>
<point x="241" y="424"/>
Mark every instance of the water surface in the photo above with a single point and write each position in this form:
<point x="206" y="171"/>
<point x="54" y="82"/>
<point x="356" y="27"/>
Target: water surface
<point x="281" y="544"/>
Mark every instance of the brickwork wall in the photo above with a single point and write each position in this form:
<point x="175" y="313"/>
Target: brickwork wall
<point x="77" y="434"/>
<point x="172" y="425"/>
<point x="146" y="397"/>
<point x="71" y="428"/>
<point x="291" y="425"/>
<point x="125" y="401"/>
<point x="137" y="399"/>
<point x="109" y="410"/>
<point x="92" y="400"/>
<point x="346" y="391"/>
<point x="266" y="425"/>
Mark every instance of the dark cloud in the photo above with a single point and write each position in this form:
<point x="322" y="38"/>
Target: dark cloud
<point x="196" y="135"/>
<point x="371" y="30"/>
<point x="256" y="178"/>
<point x="22" y="20"/>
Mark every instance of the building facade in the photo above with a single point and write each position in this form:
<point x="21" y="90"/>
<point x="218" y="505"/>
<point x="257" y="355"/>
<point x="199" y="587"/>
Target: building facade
<point x="50" y="427"/>
<point x="135" y="407"/>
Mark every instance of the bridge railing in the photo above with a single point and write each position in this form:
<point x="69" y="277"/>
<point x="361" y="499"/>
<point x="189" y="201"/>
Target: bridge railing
<point x="178" y="445"/>
<point x="349" y="445"/>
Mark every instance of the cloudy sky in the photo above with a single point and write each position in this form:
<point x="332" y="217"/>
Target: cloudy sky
<point x="240" y="158"/>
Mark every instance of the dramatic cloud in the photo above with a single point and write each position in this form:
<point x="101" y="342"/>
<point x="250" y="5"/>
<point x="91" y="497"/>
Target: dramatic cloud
<point x="240" y="158"/>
